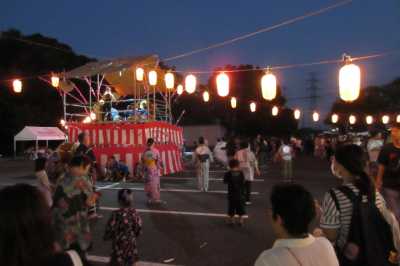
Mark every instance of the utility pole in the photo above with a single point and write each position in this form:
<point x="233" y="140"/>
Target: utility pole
<point x="312" y="90"/>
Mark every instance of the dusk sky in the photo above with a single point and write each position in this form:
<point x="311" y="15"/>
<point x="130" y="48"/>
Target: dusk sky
<point x="115" y="29"/>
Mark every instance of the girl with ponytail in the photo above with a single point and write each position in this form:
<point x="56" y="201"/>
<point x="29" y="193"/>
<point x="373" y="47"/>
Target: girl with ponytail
<point x="337" y="209"/>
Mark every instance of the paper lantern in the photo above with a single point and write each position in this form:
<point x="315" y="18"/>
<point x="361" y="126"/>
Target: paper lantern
<point x="169" y="80"/>
<point x="369" y="120"/>
<point x="233" y="102"/>
<point x="268" y="86"/>
<point x="385" y="119"/>
<point x="190" y="83"/>
<point x="275" y="111"/>
<point x="335" y="118"/>
<point x="66" y="127"/>
<point x="352" y="119"/>
<point x="315" y="116"/>
<point x="120" y="73"/>
<point x="93" y="116"/>
<point x="180" y="89"/>
<point x="139" y="74"/>
<point x="62" y="122"/>
<point x="206" y="96"/>
<point x="223" y="84"/>
<point x="17" y="85"/>
<point x="153" y="78"/>
<point x="297" y="114"/>
<point x="55" y="81"/>
<point x="349" y="82"/>
<point x="253" y="107"/>
<point x="398" y="119"/>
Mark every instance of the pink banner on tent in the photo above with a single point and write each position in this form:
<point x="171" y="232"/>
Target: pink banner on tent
<point x="170" y="154"/>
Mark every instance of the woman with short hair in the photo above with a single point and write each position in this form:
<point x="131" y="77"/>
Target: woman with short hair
<point x="151" y="164"/>
<point x="73" y="195"/>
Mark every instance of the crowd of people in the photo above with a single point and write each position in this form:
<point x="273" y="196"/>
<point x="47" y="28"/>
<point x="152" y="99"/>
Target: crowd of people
<point x="32" y="154"/>
<point x="358" y="220"/>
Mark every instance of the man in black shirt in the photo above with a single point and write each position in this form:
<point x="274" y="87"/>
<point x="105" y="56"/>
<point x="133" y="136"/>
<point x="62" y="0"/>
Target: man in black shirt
<point x="389" y="171"/>
<point x="83" y="139"/>
<point x="235" y="180"/>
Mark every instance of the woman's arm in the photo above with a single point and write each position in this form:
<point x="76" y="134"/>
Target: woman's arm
<point x="89" y="203"/>
<point x="331" y="234"/>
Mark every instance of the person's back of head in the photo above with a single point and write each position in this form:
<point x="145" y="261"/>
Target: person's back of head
<point x="233" y="163"/>
<point x="40" y="164"/>
<point x="231" y="139"/>
<point x="80" y="160"/>
<point x="244" y="144"/>
<point x="81" y="137"/>
<point x="352" y="158"/>
<point x="294" y="205"/>
<point x="218" y="140"/>
<point x="125" y="197"/>
<point x="285" y="140"/>
<point x="201" y="140"/>
<point x="374" y="133"/>
<point x="26" y="229"/>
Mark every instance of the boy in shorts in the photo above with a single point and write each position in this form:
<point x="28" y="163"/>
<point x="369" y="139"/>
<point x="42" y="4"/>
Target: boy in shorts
<point x="235" y="180"/>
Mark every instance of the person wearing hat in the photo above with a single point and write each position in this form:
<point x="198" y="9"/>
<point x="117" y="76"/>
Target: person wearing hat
<point x="108" y="98"/>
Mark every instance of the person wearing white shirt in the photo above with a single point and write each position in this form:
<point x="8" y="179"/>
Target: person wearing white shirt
<point x="374" y="147"/>
<point x="292" y="211"/>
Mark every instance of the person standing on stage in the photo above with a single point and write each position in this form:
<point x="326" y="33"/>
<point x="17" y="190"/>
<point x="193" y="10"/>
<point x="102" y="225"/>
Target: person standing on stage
<point x="151" y="164"/>
<point x="83" y="148"/>
<point x="202" y="158"/>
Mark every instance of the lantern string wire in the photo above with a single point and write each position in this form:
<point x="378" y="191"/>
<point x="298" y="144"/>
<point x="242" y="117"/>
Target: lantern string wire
<point x="257" y="32"/>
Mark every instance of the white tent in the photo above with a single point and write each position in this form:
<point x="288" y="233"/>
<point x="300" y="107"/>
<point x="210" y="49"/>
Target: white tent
<point x="38" y="133"/>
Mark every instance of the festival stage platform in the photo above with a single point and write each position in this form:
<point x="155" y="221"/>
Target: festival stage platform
<point x="127" y="141"/>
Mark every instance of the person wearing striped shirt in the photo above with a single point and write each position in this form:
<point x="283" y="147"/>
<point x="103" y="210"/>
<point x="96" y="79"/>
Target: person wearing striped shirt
<point x="348" y="164"/>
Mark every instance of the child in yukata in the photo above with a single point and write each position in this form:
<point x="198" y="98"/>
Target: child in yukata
<point x="235" y="180"/>
<point x="123" y="227"/>
<point x="137" y="173"/>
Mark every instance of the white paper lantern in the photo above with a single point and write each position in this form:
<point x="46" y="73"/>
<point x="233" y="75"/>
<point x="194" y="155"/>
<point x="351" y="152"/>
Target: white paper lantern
<point x="190" y="83"/>
<point x="153" y="78"/>
<point x="62" y="122"/>
<point x="398" y="119"/>
<point x="275" y="111"/>
<point x="315" y="116"/>
<point x="223" y="84"/>
<point x="93" y="116"/>
<point x="139" y="74"/>
<point x="169" y="80"/>
<point x="180" y="89"/>
<point x="206" y="96"/>
<point x="335" y="118"/>
<point x="385" y="119"/>
<point x="352" y="119"/>
<point x="253" y="107"/>
<point x="369" y="120"/>
<point x="233" y="102"/>
<point x="17" y="84"/>
<point x="349" y="82"/>
<point x="268" y="86"/>
<point x="297" y="114"/>
<point x="55" y="81"/>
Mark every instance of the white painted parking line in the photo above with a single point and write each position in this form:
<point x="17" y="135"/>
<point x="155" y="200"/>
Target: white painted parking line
<point x="107" y="259"/>
<point x="174" y="212"/>
<point x="175" y="190"/>
<point x="191" y="178"/>
<point x="116" y="184"/>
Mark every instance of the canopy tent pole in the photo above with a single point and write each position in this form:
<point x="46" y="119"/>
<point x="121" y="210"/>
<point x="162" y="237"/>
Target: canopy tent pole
<point x="169" y="106"/>
<point x="148" y="104"/>
<point x="37" y="146"/>
<point x="47" y="143"/>
<point x="154" y="103"/>
<point x="15" y="148"/>
<point x="134" y="96"/>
